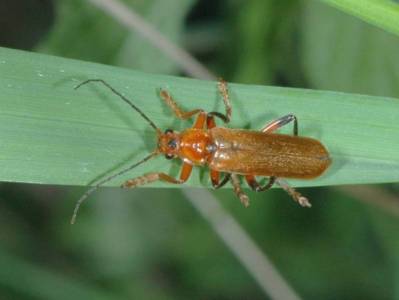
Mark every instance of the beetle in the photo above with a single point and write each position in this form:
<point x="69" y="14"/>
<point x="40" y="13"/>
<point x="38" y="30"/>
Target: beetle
<point x="231" y="152"/>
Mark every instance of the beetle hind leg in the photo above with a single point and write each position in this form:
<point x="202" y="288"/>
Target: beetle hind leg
<point x="296" y="196"/>
<point x="280" y="122"/>
<point x="303" y="201"/>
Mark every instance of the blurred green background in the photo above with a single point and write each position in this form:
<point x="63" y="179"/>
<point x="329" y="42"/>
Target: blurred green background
<point x="151" y="243"/>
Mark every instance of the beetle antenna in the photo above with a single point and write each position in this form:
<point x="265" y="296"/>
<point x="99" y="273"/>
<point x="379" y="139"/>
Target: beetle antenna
<point x="152" y="124"/>
<point x="105" y="180"/>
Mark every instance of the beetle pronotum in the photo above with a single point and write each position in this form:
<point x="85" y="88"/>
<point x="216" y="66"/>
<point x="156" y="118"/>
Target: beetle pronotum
<point x="230" y="151"/>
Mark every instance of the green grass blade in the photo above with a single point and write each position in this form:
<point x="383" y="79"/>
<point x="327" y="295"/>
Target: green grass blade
<point x="343" y="53"/>
<point x="53" y="134"/>
<point x="381" y="13"/>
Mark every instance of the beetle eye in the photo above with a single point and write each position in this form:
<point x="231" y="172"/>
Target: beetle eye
<point x="169" y="156"/>
<point x="172" y="144"/>
<point x="168" y="131"/>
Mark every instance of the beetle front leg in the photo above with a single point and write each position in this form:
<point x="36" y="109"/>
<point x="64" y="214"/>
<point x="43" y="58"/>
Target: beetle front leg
<point x="151" y="177"/>
<point x="280" y="122"/>
<point x="237" y="189"/>
<point x="179" y="113"/>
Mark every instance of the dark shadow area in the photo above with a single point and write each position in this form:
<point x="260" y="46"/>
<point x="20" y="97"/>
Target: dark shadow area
<point x="24" y="23"/>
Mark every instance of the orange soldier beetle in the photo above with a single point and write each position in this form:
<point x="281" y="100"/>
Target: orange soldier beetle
<point x="230" y="151"/>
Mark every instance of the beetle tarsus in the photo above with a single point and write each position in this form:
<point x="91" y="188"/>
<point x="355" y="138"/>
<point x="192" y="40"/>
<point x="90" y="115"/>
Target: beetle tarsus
<point x="244" y="199"/>
<point x="304" y="202"/>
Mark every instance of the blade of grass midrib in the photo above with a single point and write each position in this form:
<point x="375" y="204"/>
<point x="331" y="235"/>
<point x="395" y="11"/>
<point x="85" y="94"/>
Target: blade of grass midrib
<point x="96" y="133"/>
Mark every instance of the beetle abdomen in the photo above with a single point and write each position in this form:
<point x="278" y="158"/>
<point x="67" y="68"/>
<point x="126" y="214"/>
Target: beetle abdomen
<point x="257" y="153"/>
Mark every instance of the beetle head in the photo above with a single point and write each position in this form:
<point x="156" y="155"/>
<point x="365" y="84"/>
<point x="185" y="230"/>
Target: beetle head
<point x="168" y="143"/>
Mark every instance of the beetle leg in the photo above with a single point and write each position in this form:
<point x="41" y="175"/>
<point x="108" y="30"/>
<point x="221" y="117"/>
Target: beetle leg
<point x="179" y="113"/>
<point x="237" y="189"/>
<point x="210" y="121"/>
<point x="151" y="177"/>
<point x="303" y="201"/>
<point x="224" y="92"/>
<point x="253" y="183"/>
<point x="215" y="179"/>
<point x="280" y="122"/>
<point x="222" y="86"/>
<point x="200" y="121"/>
